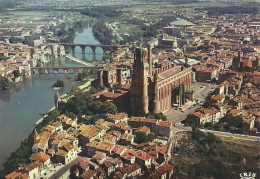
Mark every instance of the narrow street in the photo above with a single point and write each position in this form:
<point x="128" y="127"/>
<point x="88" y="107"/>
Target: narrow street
<point x="63" y="172"/>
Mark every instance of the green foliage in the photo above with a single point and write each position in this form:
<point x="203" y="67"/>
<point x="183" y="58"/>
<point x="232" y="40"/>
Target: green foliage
<point x="58" y="83"/>
<point x="16" y="73"/>
<point x="93" y="90"/>
<point x="152" y="136"/>
<point x="76" y="105"/>
<point x="152" y="30"/>
<point x="102" y="12"/>
<point x="103" y="108"/>
<point x="108" y="107"/>
<point x="159" y="116"/>
<point x="71" y="115"/>
<point x="243" y="9"/>
<point x="202" y="155"/>
<point x="91" y="120"/>
<point x="83" y="103"/>
<point x="3" y="58"/>
<point x="81" y="76"/>
<point x="4" y="83"/>
<point x="228" y="123"/>
<point x="141" y="137"/>
<point x="103" y="33"/>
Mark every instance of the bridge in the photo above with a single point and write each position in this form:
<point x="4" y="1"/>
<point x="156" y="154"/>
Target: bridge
<point x="83" y="47"/>
<point x="76" y="60"/>
<point x="63" y="70"/>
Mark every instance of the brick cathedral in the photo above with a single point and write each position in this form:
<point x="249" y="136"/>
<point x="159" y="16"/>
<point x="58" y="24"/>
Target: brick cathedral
<point x="158" y="87"/>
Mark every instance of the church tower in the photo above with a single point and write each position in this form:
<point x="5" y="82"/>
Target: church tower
<point x="139" y="87"/>
<point x="56" y="100"/>
<point x="36" y="135"/>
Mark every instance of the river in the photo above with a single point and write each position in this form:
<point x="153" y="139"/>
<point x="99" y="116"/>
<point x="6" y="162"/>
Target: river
<point x="22" y="105"/>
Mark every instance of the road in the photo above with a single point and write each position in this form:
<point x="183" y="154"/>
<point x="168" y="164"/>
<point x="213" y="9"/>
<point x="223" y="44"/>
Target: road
<point x="118" y="35"/>
<point x="63" y="171"/>
<point x="232" y="135"/>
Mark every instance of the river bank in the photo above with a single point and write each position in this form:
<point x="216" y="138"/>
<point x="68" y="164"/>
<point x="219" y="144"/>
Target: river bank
<point x="24" y="104"/>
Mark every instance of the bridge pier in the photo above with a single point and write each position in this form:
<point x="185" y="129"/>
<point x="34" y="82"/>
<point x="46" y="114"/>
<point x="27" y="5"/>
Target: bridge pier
<point x="65" y="71"/>
<point x="36" y="71"/>
<point x="56" y="71"/>
<point x="73" y="48"/>
<point x="104" y="50"/>
<point x="41" y="71"/>
<point x="93" y="52"/>
<point x="75" y="71"/>
<point x="46" y="71"/>
<point x="84" y="58"/>
<point x="83" y="47"/>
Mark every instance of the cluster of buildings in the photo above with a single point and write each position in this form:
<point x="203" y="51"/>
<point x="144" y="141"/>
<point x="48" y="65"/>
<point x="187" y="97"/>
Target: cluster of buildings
<point x="18" y="59"/>
<point x="106" y="149"/>
<point x="30" y="44"/>
<point x="236" y="96"/>
<point x="230" y="57"/>
<point x="229" y="43"/>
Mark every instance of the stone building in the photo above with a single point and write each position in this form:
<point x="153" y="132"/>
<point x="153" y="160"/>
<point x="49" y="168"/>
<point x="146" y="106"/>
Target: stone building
<point x="156" y="88"/>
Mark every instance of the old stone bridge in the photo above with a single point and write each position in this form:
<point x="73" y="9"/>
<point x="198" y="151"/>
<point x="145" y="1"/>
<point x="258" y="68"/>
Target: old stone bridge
<point x="63" y="70"/>
<point x="83" y="47"/>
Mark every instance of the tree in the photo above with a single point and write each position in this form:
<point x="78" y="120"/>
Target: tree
<point x="109" y="107"/>
<point x="96" y="106"/>
<point x="141" y="137"/>
<point x="59" y="83"/>
<point x="4" y="83"/>
<point x="71" y="115"/>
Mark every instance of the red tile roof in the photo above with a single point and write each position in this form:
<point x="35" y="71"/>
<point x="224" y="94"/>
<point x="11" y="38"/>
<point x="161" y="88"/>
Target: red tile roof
<point x="41" y="157"/>
<point x="164" y="124"/>
<point x="143" y="129"/>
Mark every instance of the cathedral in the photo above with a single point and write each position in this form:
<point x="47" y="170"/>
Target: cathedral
<point x="158" y="87"/>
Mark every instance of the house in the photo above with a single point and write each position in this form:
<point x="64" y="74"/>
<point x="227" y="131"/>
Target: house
<point x="143" y="159"/>
<point x="33" y="170"/>
<point x="247" y="125"/>
<point x="116" y="118"/>
<point x="143" y="129"/>
<point x="218" y="98"/>
<point x="66" y="153"/>
<point x="118" y="150"/>
<point x="83" y="164"/>
<point x="103" y="146"/>
<point x="15" y="175"/>
<point x="89" y="134"/>
<point x="127" y="171"/>
<point x="163" y="128"/>
<point x="205" y="74"/>
<point x="163" y="172"/>
<point x="128" y="156"/>
<point x="126" y="139"/>
<point x="40" y="141"/>
<point x="122" y="127"/>
<point x="42" y="158"/>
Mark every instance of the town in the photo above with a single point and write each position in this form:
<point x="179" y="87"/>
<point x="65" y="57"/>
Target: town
<point x="132" y="113"/>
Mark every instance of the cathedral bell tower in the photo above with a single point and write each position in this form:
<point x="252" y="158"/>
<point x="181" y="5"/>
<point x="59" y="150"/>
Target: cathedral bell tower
<point x="139" y="87"/>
